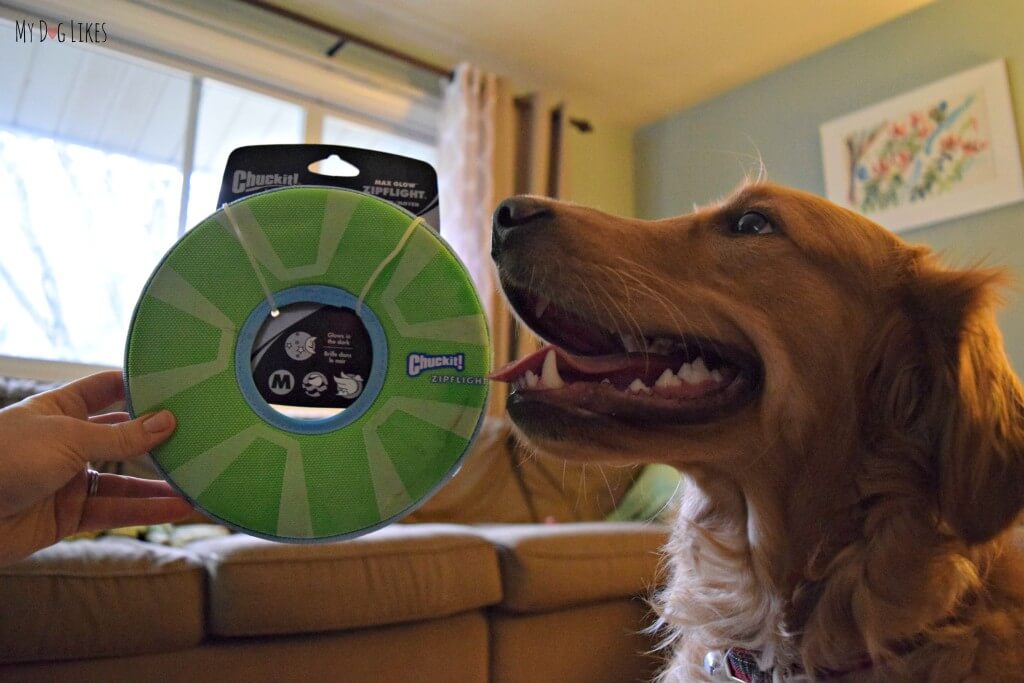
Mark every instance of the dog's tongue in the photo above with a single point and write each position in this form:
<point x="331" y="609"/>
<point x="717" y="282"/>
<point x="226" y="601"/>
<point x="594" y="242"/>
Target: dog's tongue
<point x="631" y="364"/>
<point x="518" y="368"/>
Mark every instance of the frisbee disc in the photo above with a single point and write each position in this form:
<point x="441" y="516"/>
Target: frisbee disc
<point x="411" y="407"/>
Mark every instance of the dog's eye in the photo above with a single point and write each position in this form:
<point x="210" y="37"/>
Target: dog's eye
<point x="752" y="223"/>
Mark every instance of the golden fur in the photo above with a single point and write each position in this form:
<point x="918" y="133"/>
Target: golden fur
<point x="864" y="503"/>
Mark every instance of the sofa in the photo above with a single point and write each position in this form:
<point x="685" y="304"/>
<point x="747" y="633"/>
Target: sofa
<point x="509" y="574"/>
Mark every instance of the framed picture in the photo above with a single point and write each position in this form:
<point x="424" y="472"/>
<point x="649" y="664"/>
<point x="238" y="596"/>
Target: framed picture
<point x="944" y="150"/>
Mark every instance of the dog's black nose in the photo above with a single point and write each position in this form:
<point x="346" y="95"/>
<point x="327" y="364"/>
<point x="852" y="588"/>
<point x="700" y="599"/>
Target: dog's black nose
<point x="514" y="215"/>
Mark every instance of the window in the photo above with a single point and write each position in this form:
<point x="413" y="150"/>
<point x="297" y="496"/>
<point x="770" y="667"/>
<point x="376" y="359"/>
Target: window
<point x="92" y="157"/>
<point x="231" y="117"/>
<point x="342" y="132"/>
<point x="91" y="187"/>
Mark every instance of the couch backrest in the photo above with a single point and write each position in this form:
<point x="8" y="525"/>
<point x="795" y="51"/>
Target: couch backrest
<point x="13" y="389"/>
<point x="502" y="482"/>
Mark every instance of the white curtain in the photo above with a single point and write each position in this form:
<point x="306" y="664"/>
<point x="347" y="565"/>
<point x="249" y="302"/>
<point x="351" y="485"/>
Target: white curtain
<point x="492" y="146"/>
<point x="466" y="164"/>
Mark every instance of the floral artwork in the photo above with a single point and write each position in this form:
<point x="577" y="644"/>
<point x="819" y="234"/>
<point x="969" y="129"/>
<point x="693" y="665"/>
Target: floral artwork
<point x="931" y="154"/>
<point x="927" y="152"/>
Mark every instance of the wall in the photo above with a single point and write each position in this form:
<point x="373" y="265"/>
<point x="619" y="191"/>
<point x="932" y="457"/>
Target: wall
<point x="600" y="171"/>
<point x="701" y="153"/>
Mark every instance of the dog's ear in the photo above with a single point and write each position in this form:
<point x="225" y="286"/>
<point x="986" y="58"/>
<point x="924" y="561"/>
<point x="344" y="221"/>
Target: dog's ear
<point x="980" y="424"/>
<point x="947" y="383"/>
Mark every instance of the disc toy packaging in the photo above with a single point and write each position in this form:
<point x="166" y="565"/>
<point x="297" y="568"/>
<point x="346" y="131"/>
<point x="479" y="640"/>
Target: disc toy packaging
<point x="322" y="347"/>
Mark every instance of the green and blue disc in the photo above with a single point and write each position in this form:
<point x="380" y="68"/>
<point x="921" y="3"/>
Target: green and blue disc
<point x="407" y="380"/>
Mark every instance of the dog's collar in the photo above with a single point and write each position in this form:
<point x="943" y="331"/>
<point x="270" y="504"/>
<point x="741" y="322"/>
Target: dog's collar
<point x="740" y="666"/>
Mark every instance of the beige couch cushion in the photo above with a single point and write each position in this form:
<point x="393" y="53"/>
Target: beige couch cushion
<point x="486" y="488"/>
<point x="398" y="574"/>
<point x="453" y="649"/>
<point x="600" y="643"/>
<point x="110" y="596"/>
<point x="553" y="566"/>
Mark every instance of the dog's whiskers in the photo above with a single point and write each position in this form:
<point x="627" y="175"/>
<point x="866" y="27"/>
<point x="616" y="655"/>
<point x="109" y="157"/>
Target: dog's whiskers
<point x="673" y="308"/>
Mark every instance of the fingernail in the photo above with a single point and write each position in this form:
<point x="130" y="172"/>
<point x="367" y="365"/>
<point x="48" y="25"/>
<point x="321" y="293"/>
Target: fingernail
<point x="158" y="422"/>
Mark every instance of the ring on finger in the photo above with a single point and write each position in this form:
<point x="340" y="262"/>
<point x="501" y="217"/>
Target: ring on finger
<point x="92" y="482"/>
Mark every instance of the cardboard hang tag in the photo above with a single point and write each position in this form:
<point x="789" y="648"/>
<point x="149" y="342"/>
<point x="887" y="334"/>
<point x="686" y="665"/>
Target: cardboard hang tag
<point x="408" y="183"/>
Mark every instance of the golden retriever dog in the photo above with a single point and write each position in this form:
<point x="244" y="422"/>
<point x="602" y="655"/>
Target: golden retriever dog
<point x="851" y="430"/>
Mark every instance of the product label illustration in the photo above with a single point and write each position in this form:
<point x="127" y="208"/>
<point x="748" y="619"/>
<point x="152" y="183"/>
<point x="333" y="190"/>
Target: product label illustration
<point x="312" y="355"/>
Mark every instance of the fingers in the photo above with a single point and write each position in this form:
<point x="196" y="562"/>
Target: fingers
<point x="111" y="513"/>
<point x="110" y="418"/>
<point x="119" y="486"/>
<point x="123" y="440"/>
<point x="88" y="395"/>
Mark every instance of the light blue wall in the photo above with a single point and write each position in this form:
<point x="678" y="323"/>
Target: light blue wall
<point x="700" y="153"/>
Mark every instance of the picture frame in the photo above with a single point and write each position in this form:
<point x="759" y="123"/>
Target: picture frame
<point x="942" y="151"/>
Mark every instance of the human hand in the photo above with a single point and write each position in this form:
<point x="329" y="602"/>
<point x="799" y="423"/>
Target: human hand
<point x="46" y="443"/>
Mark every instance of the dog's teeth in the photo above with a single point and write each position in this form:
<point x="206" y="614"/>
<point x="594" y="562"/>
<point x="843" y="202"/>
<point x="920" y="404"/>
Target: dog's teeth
<point x="549" y="376"/>
<point x="694" y="373"/>
<point x="542" y="305"/>
<point x="606" y="381"/>
<point x="637" y="386"/>
<point x="531" y="380"/>
<point x="685" y="372"/>
<point x="716" y="375"/>
<point x="700" y="372"/>
<point x="668" y="379"/>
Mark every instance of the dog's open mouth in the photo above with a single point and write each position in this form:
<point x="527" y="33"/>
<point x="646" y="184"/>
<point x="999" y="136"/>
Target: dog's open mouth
<point x="592" y="371"/>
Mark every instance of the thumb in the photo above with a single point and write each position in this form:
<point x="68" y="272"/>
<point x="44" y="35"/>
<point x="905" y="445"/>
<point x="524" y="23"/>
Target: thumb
<point x="125" y="440"/>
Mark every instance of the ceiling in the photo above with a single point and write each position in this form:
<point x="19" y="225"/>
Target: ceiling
<point x="626" y="62"/>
